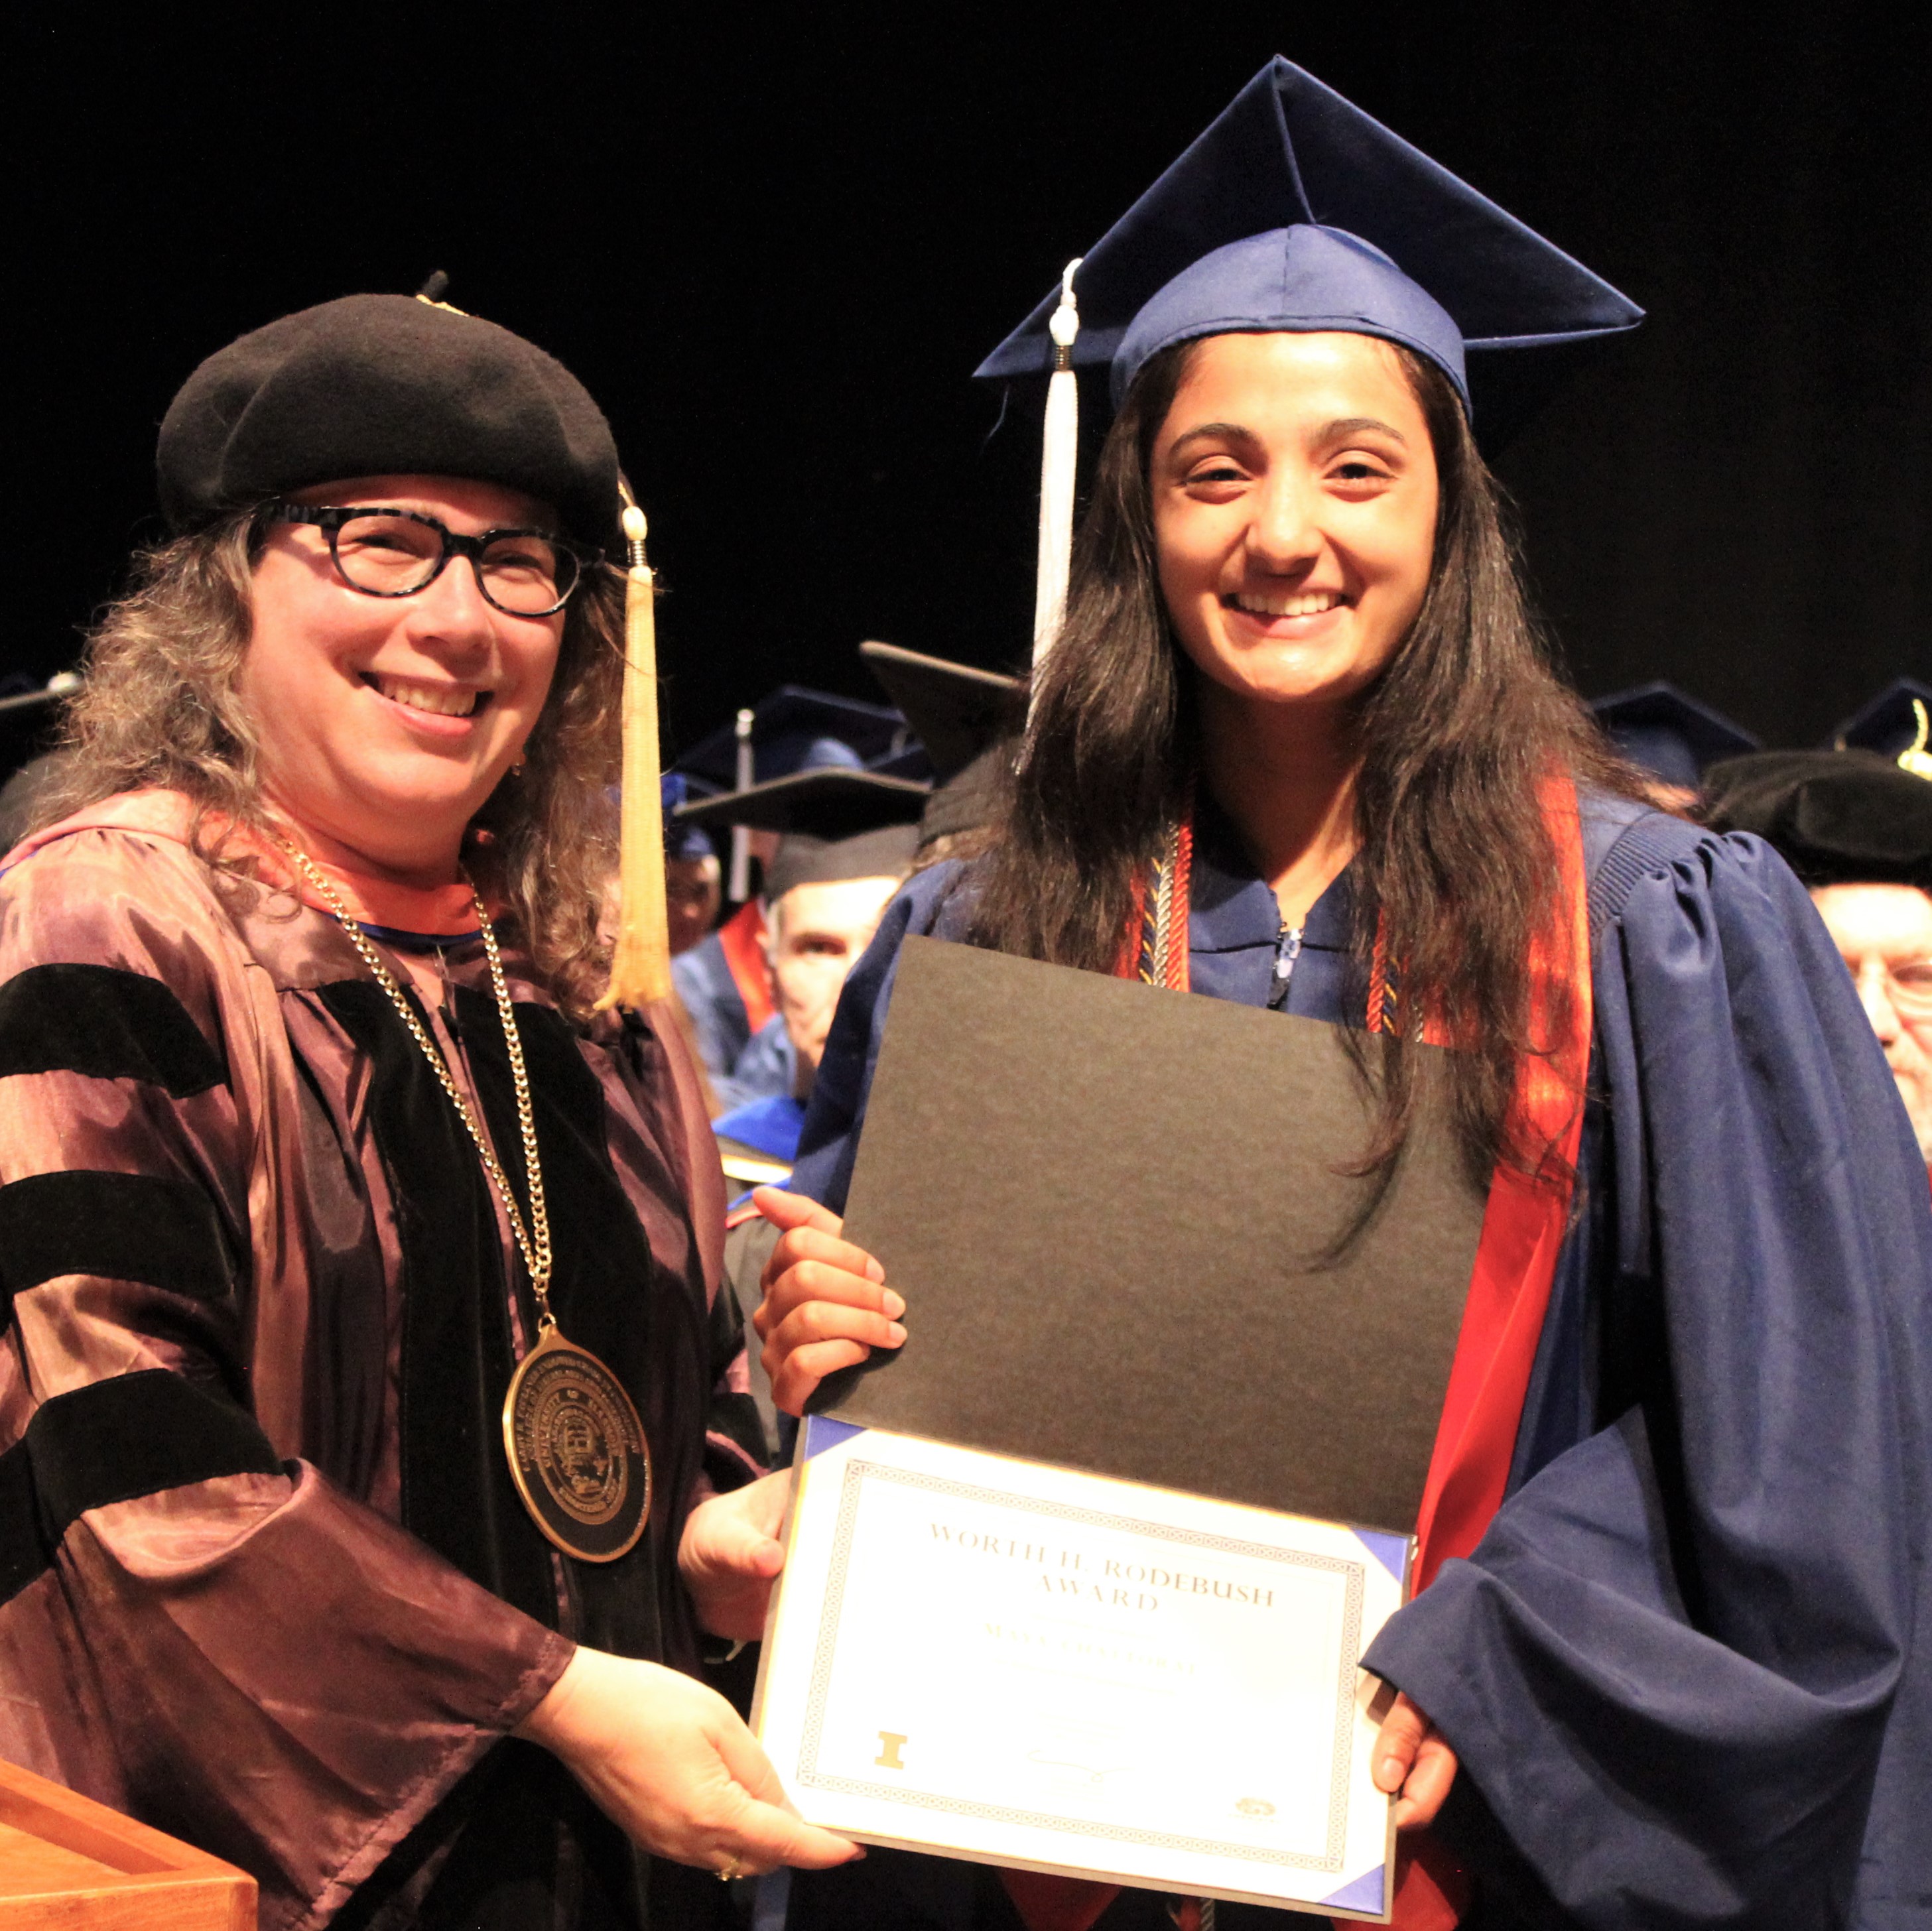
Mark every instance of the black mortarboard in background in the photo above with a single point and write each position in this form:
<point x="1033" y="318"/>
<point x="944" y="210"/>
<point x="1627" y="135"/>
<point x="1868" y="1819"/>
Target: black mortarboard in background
<point x="1836" y="817"/>
<point x="1669" y="733"/>
<point x="374" y="384"/>
<point x="967" y="718"/>
<point x="835" y="824"/>
<point x="832" y="801"/>
<point x="1295" y="211"/>
<point x="1888" y="723"/>
<point x="955" y="710"/>
<point x="793" y="730"/>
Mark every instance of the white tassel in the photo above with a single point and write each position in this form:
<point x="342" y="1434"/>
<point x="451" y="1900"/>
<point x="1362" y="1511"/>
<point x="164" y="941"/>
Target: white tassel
<point x="1059" y="458"/>
<point x="738" y="887"/>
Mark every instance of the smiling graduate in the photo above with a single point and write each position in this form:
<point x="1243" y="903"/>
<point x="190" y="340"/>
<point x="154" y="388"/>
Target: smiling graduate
<point x="1294" y="744"/>
<point x="365" y="1374"/>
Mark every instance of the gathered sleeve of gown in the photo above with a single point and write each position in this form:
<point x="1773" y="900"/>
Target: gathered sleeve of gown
<point x="1677" y="1669"/>
<point x="927" y="904"/>
<point x="206" y="1633"/>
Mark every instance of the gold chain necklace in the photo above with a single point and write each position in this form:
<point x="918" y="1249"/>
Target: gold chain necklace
<point x="576" y="1446"/>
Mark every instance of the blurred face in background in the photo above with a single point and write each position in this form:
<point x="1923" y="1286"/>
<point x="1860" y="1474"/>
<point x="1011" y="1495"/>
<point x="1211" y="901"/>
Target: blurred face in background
<point x="1884" y="934"/>
<point x="694" y="890"/>
<point x="817" y="933"/>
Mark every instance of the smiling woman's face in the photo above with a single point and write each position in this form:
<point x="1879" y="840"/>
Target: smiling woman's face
<point x="385" y="723"/>
<point x="1294" y="496"/>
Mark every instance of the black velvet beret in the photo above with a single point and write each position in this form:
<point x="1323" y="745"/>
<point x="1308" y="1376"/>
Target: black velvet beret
<point x="1837" y="817"/>
<point x="383" y="384"/>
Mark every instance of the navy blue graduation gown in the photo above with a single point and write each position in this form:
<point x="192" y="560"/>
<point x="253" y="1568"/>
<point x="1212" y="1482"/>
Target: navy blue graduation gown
<point x="1677" y="1670"/>
<point x="719" y="1024"/>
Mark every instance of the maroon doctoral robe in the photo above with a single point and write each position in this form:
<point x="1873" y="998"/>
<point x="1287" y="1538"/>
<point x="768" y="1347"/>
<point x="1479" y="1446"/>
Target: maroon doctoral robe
<point x="264" y="1581"/>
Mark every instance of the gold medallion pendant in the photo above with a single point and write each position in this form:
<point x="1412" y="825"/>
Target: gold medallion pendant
<point x="577" y="1451"/>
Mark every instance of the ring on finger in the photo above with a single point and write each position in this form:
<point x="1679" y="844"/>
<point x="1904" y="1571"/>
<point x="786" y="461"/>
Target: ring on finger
<point x="732" y="1870"/>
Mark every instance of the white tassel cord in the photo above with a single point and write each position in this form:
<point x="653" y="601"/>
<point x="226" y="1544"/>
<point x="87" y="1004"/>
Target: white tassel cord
<point x="1059" y="452"/>
<point x="738" y="887"/>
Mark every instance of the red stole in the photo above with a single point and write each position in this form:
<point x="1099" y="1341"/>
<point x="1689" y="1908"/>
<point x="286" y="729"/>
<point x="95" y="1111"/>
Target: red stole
<point x="742" y="940"/>
<point x="1523" y="1227"/>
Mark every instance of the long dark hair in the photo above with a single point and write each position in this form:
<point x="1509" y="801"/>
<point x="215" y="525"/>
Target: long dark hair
<point x="1455" y="859"/>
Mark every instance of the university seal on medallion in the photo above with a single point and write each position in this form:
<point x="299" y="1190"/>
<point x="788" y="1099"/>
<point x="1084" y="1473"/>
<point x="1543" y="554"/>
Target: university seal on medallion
<point x="577" y="1451"/>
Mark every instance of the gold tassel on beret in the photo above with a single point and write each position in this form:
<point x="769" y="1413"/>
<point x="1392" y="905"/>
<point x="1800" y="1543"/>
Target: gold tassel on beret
<point x="641" y="962"/>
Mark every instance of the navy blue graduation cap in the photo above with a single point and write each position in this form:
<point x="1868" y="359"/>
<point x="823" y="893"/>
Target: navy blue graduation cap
<point x="1889" y="724"/>
<point x="1669" y="733"/>
<point x="795" y="729"/>
<point x="1296" y="211"/>
<point x="688" y="842"/>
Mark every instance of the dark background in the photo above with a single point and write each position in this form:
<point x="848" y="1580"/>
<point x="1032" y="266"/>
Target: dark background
<point x="775" y="241"/>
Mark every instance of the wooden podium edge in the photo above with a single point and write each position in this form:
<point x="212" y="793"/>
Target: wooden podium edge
<point x="153" y="1881"/>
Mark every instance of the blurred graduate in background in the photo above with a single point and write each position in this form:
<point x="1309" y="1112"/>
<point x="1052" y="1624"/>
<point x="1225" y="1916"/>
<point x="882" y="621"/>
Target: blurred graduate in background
<point x="1856" y="826"/>
<point x="724" y="980"/>
<point x="844" y="841"/>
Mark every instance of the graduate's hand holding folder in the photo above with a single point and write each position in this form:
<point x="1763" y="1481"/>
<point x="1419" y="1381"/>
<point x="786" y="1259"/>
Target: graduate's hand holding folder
<point x="1178" y="1420"/>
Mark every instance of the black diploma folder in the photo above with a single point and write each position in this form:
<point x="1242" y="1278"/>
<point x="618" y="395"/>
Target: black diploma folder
<point x="1128" y="1241"/>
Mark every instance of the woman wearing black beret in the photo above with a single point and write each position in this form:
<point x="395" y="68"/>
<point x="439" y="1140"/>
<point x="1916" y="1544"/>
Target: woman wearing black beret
<point x="377" y="1452"/>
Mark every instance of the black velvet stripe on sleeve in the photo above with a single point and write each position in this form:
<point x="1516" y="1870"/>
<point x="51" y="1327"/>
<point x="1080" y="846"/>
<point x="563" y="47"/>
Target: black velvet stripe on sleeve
<point x="23" y="1553"/>
<point x="111" y="1441"/>
<point x="106" y="1022"/>
<point x="127" y="1227"/>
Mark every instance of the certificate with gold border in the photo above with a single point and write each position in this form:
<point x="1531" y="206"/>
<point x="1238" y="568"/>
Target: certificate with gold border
<point x="997" y="1659"/>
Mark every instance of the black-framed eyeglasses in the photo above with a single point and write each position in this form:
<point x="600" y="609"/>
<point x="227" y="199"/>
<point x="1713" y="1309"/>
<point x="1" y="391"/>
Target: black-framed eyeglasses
<point x="384" y="552"/>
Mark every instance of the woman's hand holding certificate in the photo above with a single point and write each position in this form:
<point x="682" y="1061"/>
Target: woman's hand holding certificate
<point x="667" y="1759"/>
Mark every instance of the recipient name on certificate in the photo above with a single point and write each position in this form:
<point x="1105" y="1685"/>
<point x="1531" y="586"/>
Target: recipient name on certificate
<point x="1038" y="1667"/>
